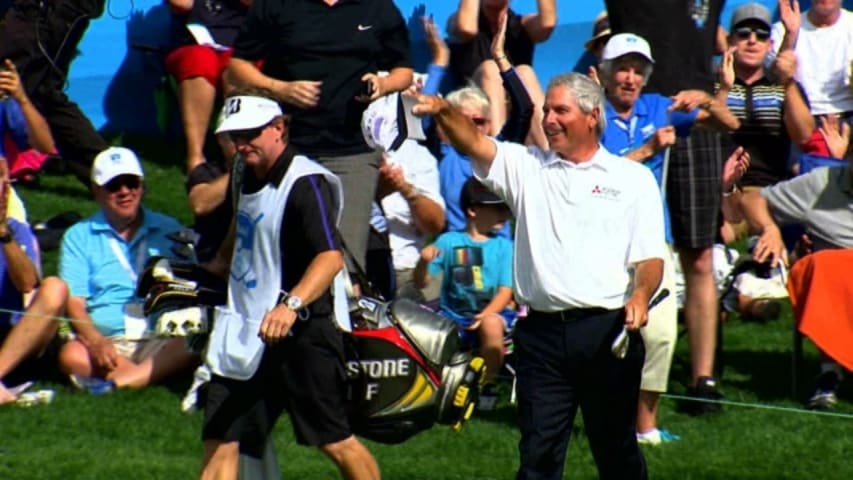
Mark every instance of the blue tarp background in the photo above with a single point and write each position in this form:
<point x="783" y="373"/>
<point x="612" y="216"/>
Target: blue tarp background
<point x="116" y="77"/>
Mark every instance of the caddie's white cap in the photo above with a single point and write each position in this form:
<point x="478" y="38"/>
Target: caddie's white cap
<point x="246" y="112"/>
<point x="625" y="43"/>
<point x="113" y="162"/>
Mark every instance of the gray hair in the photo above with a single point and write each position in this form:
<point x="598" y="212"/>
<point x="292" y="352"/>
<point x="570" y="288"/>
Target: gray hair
<point x="472" y="97"/>
<point x="588" y="95"/>
<point x="606" y="69"/>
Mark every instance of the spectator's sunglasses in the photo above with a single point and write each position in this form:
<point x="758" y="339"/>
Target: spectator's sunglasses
<point x="479" y="121"/>
<point x="761" y="34"/>
<point x="132" y="182"/>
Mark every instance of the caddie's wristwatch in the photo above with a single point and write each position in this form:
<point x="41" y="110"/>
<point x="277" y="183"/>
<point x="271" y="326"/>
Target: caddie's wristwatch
<point x="292" y="302"/>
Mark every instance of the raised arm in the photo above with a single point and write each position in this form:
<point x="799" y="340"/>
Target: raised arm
<point x="460" y="130"/>
<point x="462" y="24"/>
<point x="518" y="124"/>
<point x="789" y="14"/>
<point x="799" y="121"/>
<point x="38" y="133"/>
<point x="539" y="25"/>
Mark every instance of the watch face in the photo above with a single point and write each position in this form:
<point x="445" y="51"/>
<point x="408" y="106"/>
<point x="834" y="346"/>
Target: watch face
<point x="293" y="303"/>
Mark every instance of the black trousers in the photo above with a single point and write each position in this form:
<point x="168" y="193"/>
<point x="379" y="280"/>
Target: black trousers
<point x="565" y="362"/>
<point x="42" y="41"/>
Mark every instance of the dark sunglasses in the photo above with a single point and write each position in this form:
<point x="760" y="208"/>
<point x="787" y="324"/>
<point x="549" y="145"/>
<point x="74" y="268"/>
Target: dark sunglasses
<point x="132" y="182"/>
<point x="246" y="135"/>
<point x="480" y="121"/>
<point x="761" y="34"/>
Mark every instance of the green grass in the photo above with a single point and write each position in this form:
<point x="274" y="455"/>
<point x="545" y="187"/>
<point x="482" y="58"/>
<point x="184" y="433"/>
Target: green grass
<point x="142" y="435"/>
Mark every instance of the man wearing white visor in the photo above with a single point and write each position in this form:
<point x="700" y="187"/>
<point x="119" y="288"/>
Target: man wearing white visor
<point x="276" y="345"/>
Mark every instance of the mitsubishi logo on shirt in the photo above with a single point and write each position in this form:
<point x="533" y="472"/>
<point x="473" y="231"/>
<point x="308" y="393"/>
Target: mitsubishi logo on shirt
<point x="605" y="192"/>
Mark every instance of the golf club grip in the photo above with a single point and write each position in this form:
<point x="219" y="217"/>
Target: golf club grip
<point x="661" y="296"/>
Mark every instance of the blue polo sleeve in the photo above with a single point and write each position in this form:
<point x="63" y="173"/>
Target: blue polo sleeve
<point x="16" y="124"/>
<point x="25" y="238"/>
<point x="74" y="267"/>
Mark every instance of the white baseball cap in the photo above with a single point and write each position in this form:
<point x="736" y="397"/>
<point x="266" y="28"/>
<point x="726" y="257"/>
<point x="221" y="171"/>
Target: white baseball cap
<point x="246" y="112"/>
<point x="625" y="43"/>
<point x="113" y="162"/>
<point x="388" y="121"/>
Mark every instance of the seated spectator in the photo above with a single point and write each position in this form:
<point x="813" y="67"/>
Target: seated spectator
<point x="100" y="258"/>
<point x="454" y="167"/>
<point x="476" y="286"/>
<point x="25" y="139"/>
<point x="472" y="29"/>
<point x="820" y="200"/>
<point x="198" y="66"/>
<point x="408" y="191"/>
<point x="773" y="112"/>
<point x="822" y="39"/>
<point x="413" y="206"/>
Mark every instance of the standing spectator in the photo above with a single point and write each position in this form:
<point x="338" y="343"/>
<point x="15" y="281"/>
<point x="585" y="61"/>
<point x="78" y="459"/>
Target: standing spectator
<point x="685" y="36"/>
<point x="773" y="112"/>
<point x="589" y="251"/>
<point x="198" y="67"/>
<point x="822" y="38"/>
<point x="323" y="62"/>
<point x="472" y="29"/>
<point x="285" y="257"/>
<point x="22" y="127"/>
<point x="640" y="127"/>
<point x="595" y="46"/>
<point x="41" y="39"/>
<point x="100" y="259"/>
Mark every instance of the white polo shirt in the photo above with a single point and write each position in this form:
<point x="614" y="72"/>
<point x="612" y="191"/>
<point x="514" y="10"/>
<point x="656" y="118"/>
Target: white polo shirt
<point x="579" y="227"/>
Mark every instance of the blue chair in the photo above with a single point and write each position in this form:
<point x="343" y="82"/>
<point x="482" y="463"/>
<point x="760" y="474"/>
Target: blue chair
<point x="809" y="162"/>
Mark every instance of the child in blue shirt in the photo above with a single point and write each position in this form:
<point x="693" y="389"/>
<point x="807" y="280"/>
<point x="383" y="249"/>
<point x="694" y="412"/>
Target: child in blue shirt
<point x="476" y="282"/>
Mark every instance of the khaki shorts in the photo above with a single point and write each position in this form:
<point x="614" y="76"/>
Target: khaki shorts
<point x="660" y="334"/>
<point x="139" y="350"/>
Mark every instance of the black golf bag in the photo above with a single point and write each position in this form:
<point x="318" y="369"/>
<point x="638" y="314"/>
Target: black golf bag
<point x="405" y="364"/>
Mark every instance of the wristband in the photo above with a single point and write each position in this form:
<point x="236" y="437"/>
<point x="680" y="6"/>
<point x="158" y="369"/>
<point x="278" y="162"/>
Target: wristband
<point x="731" y="192"/>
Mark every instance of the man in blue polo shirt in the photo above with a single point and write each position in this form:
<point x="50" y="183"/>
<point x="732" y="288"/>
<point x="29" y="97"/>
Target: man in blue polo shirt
<point x="100" y="258"/>
<point x="641" y="127"/>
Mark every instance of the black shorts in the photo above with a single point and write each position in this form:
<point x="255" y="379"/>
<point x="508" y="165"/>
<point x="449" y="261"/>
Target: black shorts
<point x="303" y="374"/>
<point x="693" y="188"/>
<point x="45" y="366"/>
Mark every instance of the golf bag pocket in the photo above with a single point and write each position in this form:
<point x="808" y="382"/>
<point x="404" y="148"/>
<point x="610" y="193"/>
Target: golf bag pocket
<point x="235" y="349"/>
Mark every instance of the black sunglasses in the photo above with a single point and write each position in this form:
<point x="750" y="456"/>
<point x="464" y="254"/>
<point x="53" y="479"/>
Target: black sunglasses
<point x="761" y="34"/>
<point x="132" y="182"/>
<point x="248" y="134"/>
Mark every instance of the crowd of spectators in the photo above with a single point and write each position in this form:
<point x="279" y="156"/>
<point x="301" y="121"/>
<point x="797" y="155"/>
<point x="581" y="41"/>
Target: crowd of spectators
<point x="722" y="143"/>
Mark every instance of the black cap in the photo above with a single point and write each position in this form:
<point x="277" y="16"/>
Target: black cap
<point x="475" y="193"/>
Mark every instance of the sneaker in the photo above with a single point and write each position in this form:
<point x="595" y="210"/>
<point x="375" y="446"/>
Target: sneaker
<point x="93" y="385"/>
<point x="657" y="437"/>
<point x="488" y="398"/>
<point x="192" y="400"/>
<point x="704" y="390"/>
<point x="824" y="396"/>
